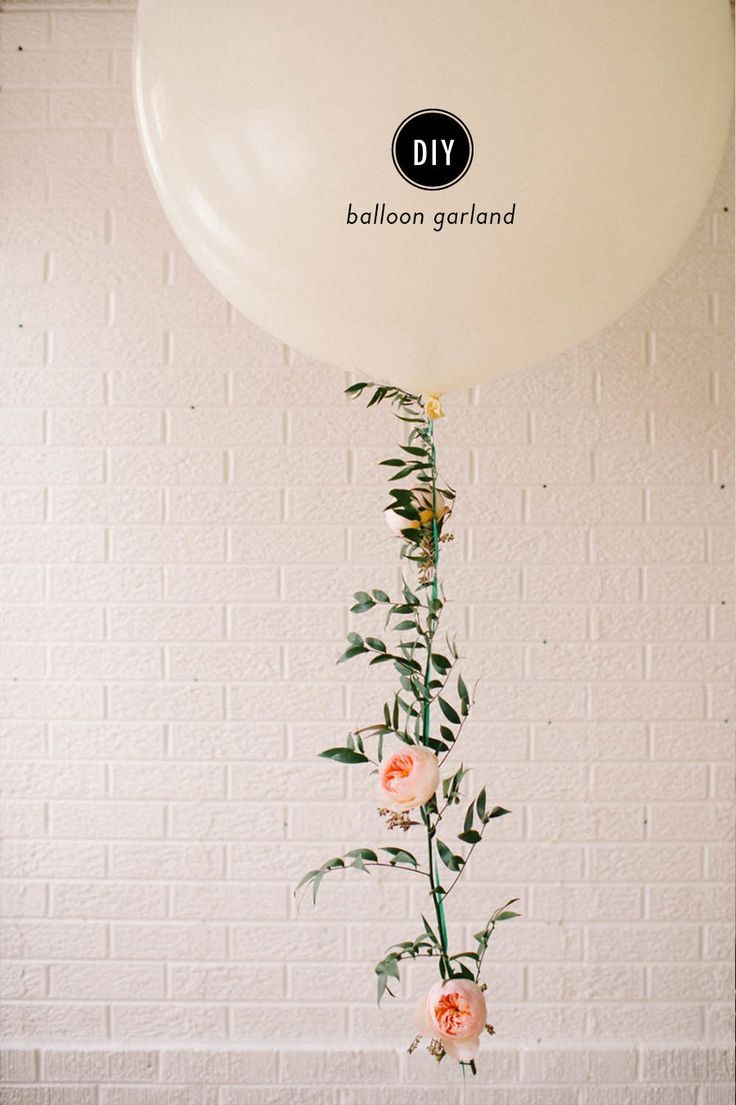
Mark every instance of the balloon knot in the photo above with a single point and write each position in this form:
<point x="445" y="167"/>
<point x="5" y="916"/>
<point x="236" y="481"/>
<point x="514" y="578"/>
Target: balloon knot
<point x="433" y="406"/>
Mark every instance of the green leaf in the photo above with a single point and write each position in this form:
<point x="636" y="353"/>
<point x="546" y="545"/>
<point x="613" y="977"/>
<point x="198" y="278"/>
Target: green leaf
<point x="363" y="596"/>
<point x="429" y="931"/>
<point x="349" y="653"/>
<point x="401" y="856"/>
<point x="441" y="663"/>
<point x="498" y="811"/>
<point x="355" y="389"/>
<point x="361" y="607"/>
<point x="307" y="878"/>
<point x="447" y="734"/>
<point x="462" y="690"/>
<point x="468" y="823"/>
<point x="449" y="711"/>
<point x="471" y="836"/>
<point x="363" y="853"/>
<point x="381" y="596"/>
<point x="375" y="644"/>
<point x="507" y="915"/>
<point x="452" y="862"/>
<point x="480" y="804"/>
<point x="344" y="756"/>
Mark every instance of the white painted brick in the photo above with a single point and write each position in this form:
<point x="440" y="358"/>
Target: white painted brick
<point x="22" y="819"/>
<point x="230" y="901"/>
<point x="174" y="387"/>
<point x="591" y="588"/>
<point x="52" y="1095"/>
<point x="106" y="740"/>
<point x="593" y="505"/>
<point x="588" y="742"/>
<point x="102" y="583"/>
<point x="691" y="821"/>
<point x="647" y="544"/>
<point x="163" y="780"/>
<point x="167" y="544"/>
<point x="665" y="1023"/>
<point x="107" y="981"/>
<point x="585" y="661"/>
<point x="105" y="661"/>
<point x="54" y="1020"/>
<point x="647" y="622"/>
<point x="228" y="740"/>
<point x="22" y="981"/>
<point x="587" y="822"/>
<point x="164" y="701"/>
<point x="22" y="899"/>
<point x="531" y="466"/>
<point x="288" y="467"/>
<point x="60" y="700"/>
<point x="156" y="1095"/>
<point x="161" y="860"/>
<point x="635" y="701"/>
<point x="169" y="940"/>
<point x="52" y="780"/>
<point x="39" y="544"/>
<point x="225" y="983"/>
<point x="107" y="899"/>
<point x="646" y="862"/>
<point x="106" y="820"/>
<point x="668" y="903"/>
<point x="551" y="583"/>
<point x="100" y="1065"/>
<point x="648" y="782"/>
<point x="54" y="940"/>
<point x="222" y="506"/>
<point x="698" y="661"/>
<point x="146" y="466"/>
<point x="197" y="1067"/>
<point x="108" y="107"/>
<point x="105" y="505"/>
<point x="224" y="662"/>
<point x="165" y="622"/>
<point x="146" y="1022"/>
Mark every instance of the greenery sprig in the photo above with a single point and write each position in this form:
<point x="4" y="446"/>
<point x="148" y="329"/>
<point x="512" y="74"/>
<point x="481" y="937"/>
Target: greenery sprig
<point x="430" y="690"/>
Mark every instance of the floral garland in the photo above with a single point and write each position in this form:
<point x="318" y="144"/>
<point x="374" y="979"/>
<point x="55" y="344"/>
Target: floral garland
<point x="452" y="1014"/>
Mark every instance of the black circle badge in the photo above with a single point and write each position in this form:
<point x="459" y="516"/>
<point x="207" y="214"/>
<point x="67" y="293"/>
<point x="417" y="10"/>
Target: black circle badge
<point x="432" y="149"/>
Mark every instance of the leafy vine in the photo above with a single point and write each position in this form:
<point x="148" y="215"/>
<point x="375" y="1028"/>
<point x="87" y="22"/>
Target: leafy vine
<point x="424" y="719"/>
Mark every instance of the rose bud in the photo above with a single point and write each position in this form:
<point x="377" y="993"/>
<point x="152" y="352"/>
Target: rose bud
<point x="423" y="504"/>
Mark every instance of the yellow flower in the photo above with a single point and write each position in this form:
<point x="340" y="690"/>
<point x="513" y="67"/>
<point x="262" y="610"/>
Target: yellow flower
<point x="433" y="406"/>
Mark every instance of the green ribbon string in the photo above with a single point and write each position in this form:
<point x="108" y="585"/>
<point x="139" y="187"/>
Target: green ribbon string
<point x="433" y="862"/>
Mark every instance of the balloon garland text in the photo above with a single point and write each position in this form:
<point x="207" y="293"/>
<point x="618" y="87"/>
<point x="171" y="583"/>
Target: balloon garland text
<point x="417" y="733"/>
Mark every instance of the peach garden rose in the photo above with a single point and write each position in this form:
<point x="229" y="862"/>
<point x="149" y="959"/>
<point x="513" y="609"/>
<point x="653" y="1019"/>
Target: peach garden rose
<point x="408" y="778"/>
<point x="454" y="1012"/>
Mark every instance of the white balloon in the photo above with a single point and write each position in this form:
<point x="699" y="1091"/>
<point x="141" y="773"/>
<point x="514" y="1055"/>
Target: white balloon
<point x="598" y="124"/>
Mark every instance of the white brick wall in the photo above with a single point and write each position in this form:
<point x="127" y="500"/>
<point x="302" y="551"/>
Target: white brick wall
<point x="168" y="633"/>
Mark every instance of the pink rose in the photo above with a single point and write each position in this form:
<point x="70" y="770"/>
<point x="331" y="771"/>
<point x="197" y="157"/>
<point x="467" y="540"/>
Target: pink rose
<point x="408" y="778"/>
<point x="454" y="1012"/>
